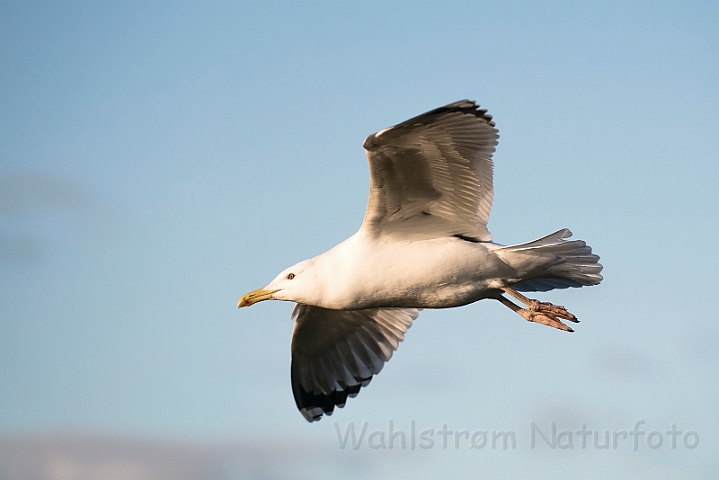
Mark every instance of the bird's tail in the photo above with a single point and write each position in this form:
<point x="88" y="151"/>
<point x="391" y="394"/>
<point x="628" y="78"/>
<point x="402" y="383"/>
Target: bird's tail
<point x="560" y="263"/>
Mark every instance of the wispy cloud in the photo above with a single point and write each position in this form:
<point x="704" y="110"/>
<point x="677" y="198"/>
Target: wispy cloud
<point x="620" y="363"/>
<point x="98" y="457"/>
<point x="27" y="193"/>
<point x="41" y="213"/>
<point x="20" y="248"/>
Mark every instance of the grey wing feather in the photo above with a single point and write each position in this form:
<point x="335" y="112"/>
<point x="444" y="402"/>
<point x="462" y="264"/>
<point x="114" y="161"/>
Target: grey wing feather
<point x="431" y="176"/>
<point x="337" y="352"/>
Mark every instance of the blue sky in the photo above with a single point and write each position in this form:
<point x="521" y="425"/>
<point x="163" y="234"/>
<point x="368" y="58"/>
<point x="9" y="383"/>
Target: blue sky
<point x="158" y="162"/>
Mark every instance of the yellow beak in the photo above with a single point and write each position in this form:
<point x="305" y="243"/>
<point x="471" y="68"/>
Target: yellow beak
<point x="255" y="296"/>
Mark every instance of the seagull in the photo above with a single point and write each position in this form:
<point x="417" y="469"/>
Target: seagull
<point x="423" y="243"/>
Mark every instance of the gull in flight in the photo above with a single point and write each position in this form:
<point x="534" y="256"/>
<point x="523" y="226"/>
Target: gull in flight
<point x="423" y="243"/>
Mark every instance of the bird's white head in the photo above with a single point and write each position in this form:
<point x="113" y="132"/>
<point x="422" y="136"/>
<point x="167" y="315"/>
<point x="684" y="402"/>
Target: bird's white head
<point x="296" y="283"/>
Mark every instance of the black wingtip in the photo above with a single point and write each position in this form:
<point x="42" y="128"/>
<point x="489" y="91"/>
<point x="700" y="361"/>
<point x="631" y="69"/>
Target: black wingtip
<point x="312" y="406"/>
<point x="467" y="107"/>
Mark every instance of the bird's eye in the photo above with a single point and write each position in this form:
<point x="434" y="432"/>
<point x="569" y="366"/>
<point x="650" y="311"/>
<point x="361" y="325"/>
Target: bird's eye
<point x="290" y="276"/>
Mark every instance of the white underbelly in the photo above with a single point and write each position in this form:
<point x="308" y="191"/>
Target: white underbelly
<point x="428" y="274"/>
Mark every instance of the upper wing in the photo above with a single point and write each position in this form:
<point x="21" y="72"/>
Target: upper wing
<point x="336" y="352"/>
<point x="431" y="176"/>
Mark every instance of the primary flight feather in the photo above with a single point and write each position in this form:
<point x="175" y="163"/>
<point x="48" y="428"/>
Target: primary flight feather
<point x="424" y="243"/>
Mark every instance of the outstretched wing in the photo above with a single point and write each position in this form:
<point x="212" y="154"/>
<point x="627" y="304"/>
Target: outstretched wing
<point x="431" y="176"/>
<point x="336" y="352"/>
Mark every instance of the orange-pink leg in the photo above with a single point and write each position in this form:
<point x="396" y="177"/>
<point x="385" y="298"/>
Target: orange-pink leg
<point x="538" y="312"/>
